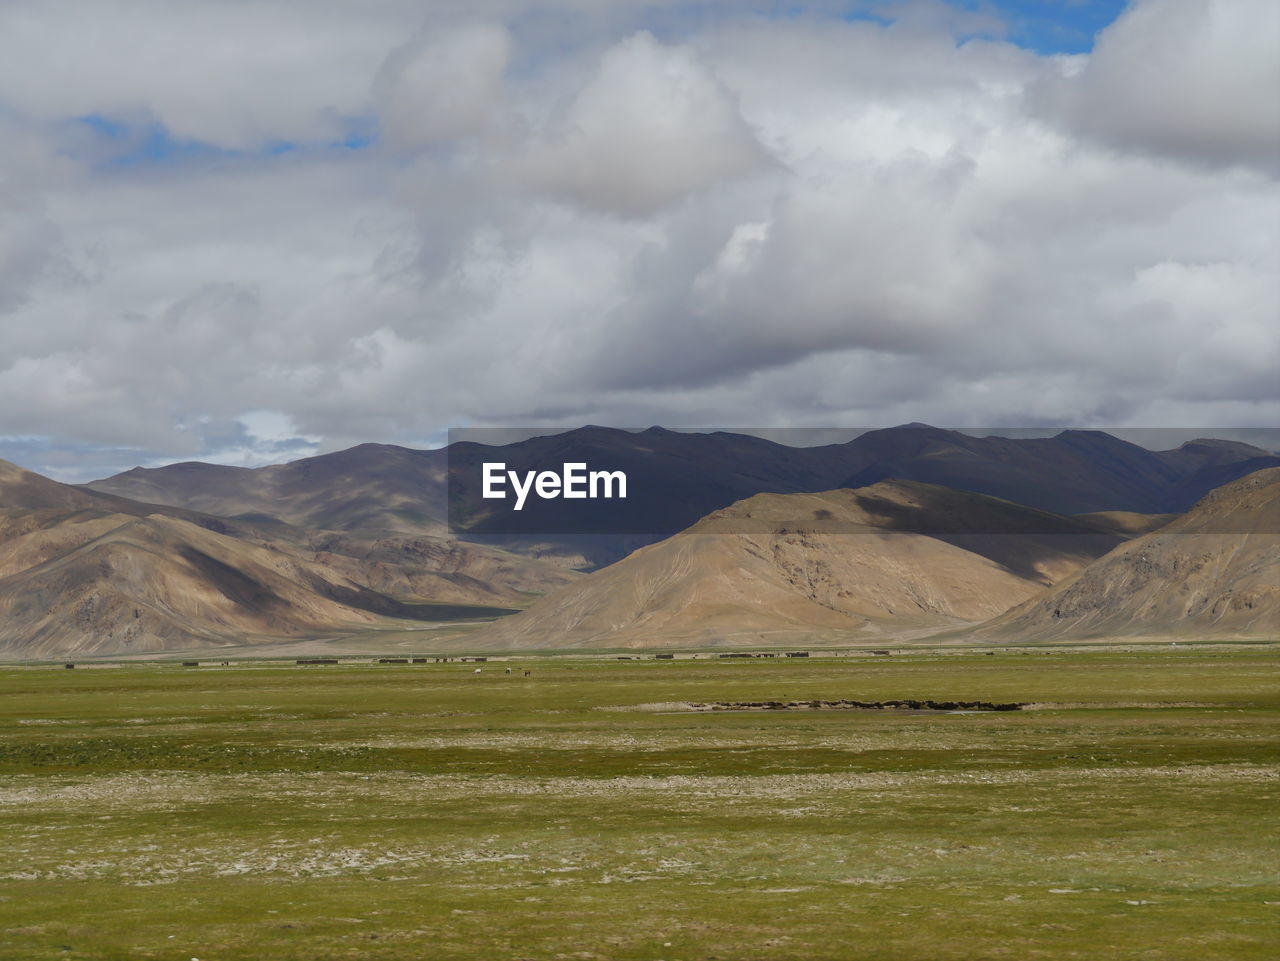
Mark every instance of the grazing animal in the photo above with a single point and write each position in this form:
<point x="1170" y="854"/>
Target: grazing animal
<point x="527" y="673"/>
<point x="476" y="671"/>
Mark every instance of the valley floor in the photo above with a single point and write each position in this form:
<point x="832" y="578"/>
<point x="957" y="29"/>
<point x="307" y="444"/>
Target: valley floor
<point x="424" y="811"/>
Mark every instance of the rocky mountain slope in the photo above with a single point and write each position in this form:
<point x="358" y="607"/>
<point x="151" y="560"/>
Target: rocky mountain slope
<point x="1213" y="571"/>
<point x="197" y="554"/>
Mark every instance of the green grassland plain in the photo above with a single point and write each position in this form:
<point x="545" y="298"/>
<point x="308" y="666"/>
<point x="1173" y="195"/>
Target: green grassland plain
<point x="270" y="811"/>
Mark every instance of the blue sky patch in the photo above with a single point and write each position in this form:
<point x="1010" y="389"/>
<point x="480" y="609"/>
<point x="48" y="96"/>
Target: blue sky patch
<point x="1044" y="26"/>
<point x="1051" y="26"/>
<point x="124" y="145"/>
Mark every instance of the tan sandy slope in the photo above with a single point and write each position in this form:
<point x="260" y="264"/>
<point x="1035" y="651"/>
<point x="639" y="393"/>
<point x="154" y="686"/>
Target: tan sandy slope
<point x="1214" y="571"/>
<point x="839" y="565"/>
<point x="158" y="583"/>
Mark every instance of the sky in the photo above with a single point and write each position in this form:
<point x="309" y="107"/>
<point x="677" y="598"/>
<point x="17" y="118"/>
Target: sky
<point x="246" y="231"/>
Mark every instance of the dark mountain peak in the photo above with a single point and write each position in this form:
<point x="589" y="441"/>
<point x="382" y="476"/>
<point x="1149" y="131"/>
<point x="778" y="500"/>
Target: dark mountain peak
<point x="179" y="471"/>
<point x="134" y="472"/>
<point x="1092" y="443"/>
<point x="589" y="433"/>
<point x="352" y="459"/>
<point x="1090" y="435"/>
<point x="1218" y="445"/>
<point x="891" y="443"/>
<point x="915" y="431"/>
<point x="371" y="447"/>
<point x="362" y="450"/>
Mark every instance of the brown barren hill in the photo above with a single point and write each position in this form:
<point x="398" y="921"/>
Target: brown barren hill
<point x="1213" y="572"/>
<point x="84" y="572"/>
<point x="158" y="583"/>
<point x="896" y="557"/>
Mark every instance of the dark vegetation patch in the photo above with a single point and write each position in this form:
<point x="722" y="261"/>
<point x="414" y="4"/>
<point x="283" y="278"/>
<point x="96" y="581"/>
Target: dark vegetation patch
<point x="431" y="611"/>
<point x="910" y="704"/>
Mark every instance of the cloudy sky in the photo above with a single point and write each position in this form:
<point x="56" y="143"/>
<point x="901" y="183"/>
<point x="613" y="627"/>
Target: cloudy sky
<point x="249" y="230"/>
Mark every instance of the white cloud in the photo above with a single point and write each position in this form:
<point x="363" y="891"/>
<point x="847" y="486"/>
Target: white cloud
<point x="236" y="75"/>
<point x="729" y="220"/>
<point x="32" y="248"/>
<point x="653" y="125"/>
<point x="445" y="85"/>
<point x="1196" y="79"/>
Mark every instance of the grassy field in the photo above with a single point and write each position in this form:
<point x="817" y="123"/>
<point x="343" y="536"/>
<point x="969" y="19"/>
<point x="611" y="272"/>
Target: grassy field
<point x="268" y="811"/>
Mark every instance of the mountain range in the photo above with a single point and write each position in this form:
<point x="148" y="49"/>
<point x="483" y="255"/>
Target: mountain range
<point x="677" y="478"/>
<point x="728" y="539"/>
